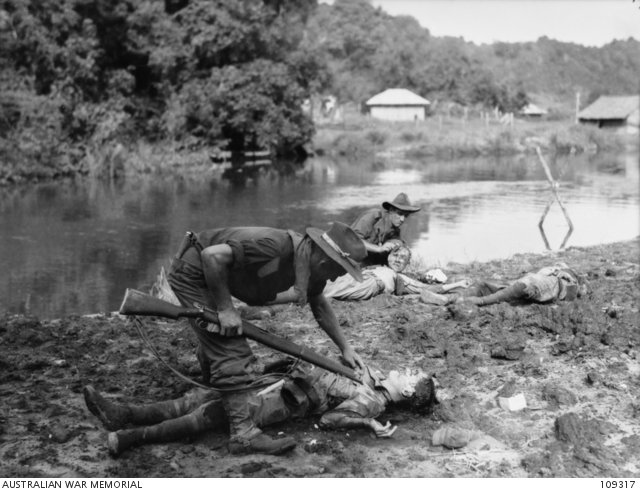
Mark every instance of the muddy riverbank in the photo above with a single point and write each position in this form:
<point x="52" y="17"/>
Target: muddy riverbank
<point x="576" y="364"/>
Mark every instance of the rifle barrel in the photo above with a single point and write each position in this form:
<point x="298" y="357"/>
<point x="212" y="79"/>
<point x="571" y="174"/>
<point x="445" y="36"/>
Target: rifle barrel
<point x="136" y="303"/>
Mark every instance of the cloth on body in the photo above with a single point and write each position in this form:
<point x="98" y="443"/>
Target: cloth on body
<point x="377" y="280"/>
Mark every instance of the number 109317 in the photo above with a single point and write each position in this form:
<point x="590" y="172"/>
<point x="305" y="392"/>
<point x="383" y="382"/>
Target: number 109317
<point x="617" y="484"/>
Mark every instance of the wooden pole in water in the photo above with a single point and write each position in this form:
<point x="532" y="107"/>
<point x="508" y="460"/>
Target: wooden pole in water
<point x="554" y="191"/>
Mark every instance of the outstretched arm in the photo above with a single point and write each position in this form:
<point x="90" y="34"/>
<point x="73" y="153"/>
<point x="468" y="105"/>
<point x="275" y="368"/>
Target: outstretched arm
<point x="464" y="284"/>
<point x="326" y="318"/>
<point x="383" y="248"/>
<point x="343" y="419"/>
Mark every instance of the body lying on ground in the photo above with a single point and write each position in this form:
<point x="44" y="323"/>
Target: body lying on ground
<point x="549" y="284"/>
<point x="385" y="279"/>
<point x="307" y="391"/>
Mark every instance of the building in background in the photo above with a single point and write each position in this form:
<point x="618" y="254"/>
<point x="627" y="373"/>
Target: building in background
<point x="619" y="113"/>
<point x="398" y="105"/>
<point x="533" y="111"/>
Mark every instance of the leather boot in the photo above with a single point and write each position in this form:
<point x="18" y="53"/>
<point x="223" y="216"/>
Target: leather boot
<point x="115" y="416"/>
<point x="193" y="424"/>
<point x="112" y="415"/>
<point x="120" y="441"/>
<point x="245" y="437"/>
<point x="262" y="444"/>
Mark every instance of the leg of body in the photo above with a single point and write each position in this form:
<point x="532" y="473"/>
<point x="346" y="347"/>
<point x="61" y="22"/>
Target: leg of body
<point x="511" y="293"/>
<point x="116" y="416"/>
<point x="207" y="416"/>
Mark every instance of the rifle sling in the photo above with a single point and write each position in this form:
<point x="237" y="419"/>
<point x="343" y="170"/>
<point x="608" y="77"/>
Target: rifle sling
<point x="236" y="389"/>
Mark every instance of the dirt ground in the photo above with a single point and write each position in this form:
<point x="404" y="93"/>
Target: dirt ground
<point x="576" y="364"/>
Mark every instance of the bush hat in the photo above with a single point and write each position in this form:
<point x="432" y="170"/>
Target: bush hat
<point x="342" y="245"/>
<point x="401" y="202"/>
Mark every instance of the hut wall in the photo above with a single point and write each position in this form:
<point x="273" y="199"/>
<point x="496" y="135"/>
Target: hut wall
<point x="612" y="124"/>
<point x="398" y="113"/>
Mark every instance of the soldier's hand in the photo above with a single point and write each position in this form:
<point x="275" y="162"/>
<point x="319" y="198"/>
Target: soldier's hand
<point x="230" y="323"/>
<point x="388" y="247"/>
<point x="353" y="359"/>
<point x="382" y="430"/>
<point x="465" y="283"/>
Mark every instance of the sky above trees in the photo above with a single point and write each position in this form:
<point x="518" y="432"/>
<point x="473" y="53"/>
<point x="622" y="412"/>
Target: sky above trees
<point x="586" y="22"/>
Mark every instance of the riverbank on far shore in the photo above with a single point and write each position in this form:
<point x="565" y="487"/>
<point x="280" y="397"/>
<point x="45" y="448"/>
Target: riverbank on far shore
<point x="453" y="137"/>
<point x="575" y="363"/>
<point x="355" y="136"/>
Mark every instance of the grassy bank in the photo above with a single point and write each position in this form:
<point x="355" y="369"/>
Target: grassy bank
<point x="45" y="157"/>
<point x="449" y="136"/>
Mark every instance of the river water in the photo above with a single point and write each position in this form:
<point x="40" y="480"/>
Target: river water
<point x="74" y="247"/>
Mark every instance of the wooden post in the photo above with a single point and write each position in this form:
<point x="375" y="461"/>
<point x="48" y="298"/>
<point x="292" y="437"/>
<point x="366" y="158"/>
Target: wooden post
<point x="554" y="191"/>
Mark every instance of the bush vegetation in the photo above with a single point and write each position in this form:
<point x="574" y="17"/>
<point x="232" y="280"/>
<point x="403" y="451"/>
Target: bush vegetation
<point x="80" y="78"/>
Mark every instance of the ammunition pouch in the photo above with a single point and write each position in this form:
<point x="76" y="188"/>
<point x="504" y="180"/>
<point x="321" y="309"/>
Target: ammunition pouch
<point x="295" y="397"/>
<point x="299" y="392"/>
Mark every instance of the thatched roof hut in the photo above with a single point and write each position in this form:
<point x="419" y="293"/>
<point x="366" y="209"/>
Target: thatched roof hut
<point x="619" y="112"/>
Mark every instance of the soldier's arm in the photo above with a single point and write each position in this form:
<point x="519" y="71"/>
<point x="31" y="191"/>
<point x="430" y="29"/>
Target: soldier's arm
<point x="326" y="318"/>
<point x="363" y="227"/>
<point x="216" y="261"/>
<point x="345" y="419"/>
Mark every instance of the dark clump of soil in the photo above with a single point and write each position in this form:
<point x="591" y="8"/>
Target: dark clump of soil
<point x="575" y="364"/>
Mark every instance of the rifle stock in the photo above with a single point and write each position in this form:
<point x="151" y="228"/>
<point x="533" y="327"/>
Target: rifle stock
<point x="136" y="303"/>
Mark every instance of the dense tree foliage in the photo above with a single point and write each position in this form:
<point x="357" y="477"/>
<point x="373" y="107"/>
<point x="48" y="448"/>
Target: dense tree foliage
<point x="210" y="72"/>
<point x="76" y="73"/>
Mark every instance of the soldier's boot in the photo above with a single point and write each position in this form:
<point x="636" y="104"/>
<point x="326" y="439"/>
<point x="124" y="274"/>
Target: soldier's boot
<point x="112" y="415"/>
<point x="115" y="416"/>
<point x="203" y="418"/>
<point x="245" y="437"/>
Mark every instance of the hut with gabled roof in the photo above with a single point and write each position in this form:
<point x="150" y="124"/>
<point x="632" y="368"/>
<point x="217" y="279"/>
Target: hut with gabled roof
<point x="398" y="105"/>
<point x="620" y="113"/>
<point x="533" y="111"/>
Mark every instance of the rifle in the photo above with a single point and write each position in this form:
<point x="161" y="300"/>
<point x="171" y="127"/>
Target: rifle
<point x="136" y="303"/>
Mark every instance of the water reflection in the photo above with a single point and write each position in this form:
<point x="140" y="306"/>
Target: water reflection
<point x="74" y="247"/>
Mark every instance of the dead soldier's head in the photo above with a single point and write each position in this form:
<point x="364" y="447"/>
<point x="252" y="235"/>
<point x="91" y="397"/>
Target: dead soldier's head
<point x="399" y="258"/>
<point x="412" y="388"/>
